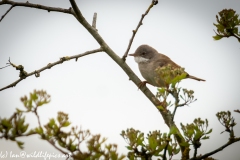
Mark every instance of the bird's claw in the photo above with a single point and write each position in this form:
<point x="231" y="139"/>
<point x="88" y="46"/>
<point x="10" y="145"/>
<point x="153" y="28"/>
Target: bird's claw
<point x="142" y="84"/>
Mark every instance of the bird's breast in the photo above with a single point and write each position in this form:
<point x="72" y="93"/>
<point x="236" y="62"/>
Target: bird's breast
<point x="148" y="72"/>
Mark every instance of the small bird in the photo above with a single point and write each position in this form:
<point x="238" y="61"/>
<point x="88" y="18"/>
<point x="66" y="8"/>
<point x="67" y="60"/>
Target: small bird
<point x="149" y="60"/>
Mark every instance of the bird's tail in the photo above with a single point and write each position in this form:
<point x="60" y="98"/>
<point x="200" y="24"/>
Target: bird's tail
<point x="195" y="78"/>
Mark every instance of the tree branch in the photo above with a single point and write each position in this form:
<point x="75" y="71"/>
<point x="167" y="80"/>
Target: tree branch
<point x="104" y="47"/>
<point x="238" y="38"/>
<point x="94" y="22"/>
<point x="57" y="148"/>
<point x="217" y="150"/>
<point x="237" y="110"/>
<point x="165" y="151"/>
<point x="37" y="72"/>
<point x="132" y="76"/>
<point x="138" y="26"/>
<point x="6" y="13"/>
<point x="31" y="5"/>
<point x="195" y="152"/>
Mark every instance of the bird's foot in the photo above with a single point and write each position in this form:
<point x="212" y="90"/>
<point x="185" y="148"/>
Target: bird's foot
<point x="142" y="84"/>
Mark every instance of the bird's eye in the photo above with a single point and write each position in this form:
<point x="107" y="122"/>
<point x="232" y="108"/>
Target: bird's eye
<point x="143" y="53"/>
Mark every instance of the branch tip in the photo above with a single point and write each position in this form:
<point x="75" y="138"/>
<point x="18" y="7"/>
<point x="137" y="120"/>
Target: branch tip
<point x="154" y="2"/>
<point x="94" y="22"/>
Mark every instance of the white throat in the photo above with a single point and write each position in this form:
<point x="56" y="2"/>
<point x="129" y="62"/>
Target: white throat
<point x="139" y="59"/>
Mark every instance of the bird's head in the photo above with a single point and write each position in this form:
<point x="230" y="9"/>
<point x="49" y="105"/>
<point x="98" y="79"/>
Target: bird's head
<point x="143" y="54"/>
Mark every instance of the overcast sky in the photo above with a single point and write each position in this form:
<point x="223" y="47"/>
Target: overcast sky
<point x="94" y="91"/>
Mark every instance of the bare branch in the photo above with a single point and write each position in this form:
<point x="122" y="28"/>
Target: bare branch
<point x="6" y="13"/>
<point x="94" y="22"/>
<point x="154" y="2"/>
<point x="234" y="35"/>
<point x="237" y="110"/>
<point x="195" y="152"/>
<point x="31" y="5"/>
<point x="54" y="145"/>
<point x="37" y="72"/>
<point x="217" y="150"/>
<point x="5" y="66"/>
<point x="165" y="150"/>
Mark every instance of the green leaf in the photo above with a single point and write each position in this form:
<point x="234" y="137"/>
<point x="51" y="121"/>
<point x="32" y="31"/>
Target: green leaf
<point x="220" y="27"/>
<point x="152" y="142"/>
<point x="169" y="148"/>
<point x="140" y="140"/>
<point x="160" y="108"/>
<point x="6" y="123"/>
<point x="190" y="132"/>
<point x="217" y="37"/>
<point x="161" y="90"/>
<point x="210" y="131"/>
<point x="173" y="130"/>
<point x="198" y="135"/>
<point x="205" y="137"/>
<point x="129" y="148"/>
<point x="176" y="151"/>
<point x="185" y="144"/>
<point x="20" y="144"/>
<point x="24" y="128"/>
<point x="235" y="30"/>
<point x="72" y="148"/>
<point x="51" y="122"/>
<point x="39" y="130"/>
<point x="33" y="96"/>
<point x="65" y="124"/>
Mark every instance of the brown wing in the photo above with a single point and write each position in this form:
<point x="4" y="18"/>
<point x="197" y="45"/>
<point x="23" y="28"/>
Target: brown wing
<point x="165" y="60"/>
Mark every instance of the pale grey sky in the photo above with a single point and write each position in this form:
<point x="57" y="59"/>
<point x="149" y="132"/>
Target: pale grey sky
<point x="94" y="91"/>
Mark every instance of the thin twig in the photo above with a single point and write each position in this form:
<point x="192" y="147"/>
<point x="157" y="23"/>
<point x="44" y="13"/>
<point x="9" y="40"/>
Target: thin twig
<point x="138" y="26"/>
<point x="94" y="22"/>
<point x="237" y="110"/>
<point x="38" y="118"/>
<point x="195" y="152"/>
<point x="37" y="6"/>
<point x="217" y="150"/>
<point x="5" y="66"/>
<point x="53" y="144"/>
<point x="6" y="13"/>
<point x="175" y="94"/>
<point x="238" y="38"/>
<point x="63" y="59"/>
<point x="165" y="151"/>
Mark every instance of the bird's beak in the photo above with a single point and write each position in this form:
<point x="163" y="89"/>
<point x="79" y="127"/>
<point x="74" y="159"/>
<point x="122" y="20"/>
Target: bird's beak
<point x="133" y="54"/>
